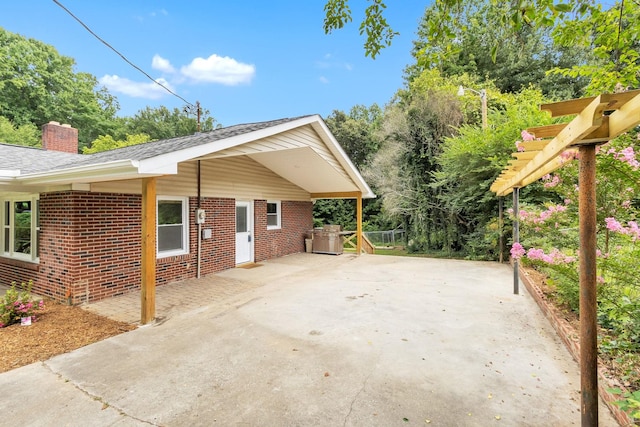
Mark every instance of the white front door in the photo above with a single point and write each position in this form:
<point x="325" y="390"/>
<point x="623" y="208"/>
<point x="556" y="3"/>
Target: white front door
<point x="244" y="237"/>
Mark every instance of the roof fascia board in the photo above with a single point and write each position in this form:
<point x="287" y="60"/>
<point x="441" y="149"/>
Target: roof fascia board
<point x="158" y="163"/>
<point x="339" y="153"/>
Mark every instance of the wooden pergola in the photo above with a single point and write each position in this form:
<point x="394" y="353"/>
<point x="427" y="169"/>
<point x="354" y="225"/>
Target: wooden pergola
<point x="598" y="119"/>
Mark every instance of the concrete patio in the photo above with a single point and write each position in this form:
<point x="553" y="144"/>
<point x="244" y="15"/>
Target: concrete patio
<point x="316" y="340"/>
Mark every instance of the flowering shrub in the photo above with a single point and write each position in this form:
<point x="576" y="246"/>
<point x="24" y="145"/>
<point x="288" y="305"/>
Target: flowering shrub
<point x="16" y="304"/>
<point x="549" y="241"/>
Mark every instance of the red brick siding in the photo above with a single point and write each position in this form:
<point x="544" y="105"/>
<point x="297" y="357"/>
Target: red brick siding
<point x="218" y="252"/>
<point x="91" y="242"/>
<point x="296" y="220"/>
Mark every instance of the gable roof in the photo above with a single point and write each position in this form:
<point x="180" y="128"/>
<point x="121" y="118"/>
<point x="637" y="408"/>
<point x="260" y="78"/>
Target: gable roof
<point x="25" y="166"/>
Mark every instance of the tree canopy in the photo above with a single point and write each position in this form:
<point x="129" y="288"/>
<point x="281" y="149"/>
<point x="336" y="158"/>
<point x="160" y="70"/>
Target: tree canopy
<point x="37" y="85"/>
<point x="610" y="31"/>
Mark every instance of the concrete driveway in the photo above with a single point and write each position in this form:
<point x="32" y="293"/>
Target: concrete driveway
<point x="325" y="341"/>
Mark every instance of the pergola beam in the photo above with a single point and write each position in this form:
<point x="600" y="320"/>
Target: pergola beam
<point x="583" y="124"/>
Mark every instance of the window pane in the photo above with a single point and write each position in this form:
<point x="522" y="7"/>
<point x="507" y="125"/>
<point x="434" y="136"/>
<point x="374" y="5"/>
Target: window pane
<point x="272" y="208"/>
<point x="169" y="212"/>
<point x="169" y="237"/>
<point x="6" y="217"/>
<point x="241" y="219"/>
<point x="7" y="213"/>
<point x="37" y="214"/>
<point x="22" y="227"/>
<point x="272" y="220"/>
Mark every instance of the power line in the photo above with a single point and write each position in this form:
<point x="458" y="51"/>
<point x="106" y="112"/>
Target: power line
<point x="124" y="57"/>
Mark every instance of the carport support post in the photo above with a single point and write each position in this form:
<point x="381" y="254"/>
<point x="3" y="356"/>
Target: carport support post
<point x="516" y="237"/>
<point x="359" y="224"/>
<point x="588" y="294"/>
<point x="148" y="261"/>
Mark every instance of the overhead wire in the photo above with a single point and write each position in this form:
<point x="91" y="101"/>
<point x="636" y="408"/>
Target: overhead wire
<point x="122" y="56"/>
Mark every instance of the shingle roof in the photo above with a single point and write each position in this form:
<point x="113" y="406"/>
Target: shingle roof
<point x="32" y="160"/>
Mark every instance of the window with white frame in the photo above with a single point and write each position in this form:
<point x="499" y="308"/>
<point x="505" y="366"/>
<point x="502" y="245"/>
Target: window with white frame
<point x="274" y="215"/>
<point x="20" y="227"/>
<point x="173" y="225"/>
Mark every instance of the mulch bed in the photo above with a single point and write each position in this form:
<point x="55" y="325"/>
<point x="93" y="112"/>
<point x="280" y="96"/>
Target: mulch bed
<point x="58" y="329"/>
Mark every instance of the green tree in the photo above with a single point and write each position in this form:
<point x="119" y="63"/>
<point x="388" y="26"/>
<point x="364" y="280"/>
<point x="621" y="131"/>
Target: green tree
<point x="162" y="123"/>
<point x="524" y="58"/>
<point x="38" y="85"/>
<point x="26" y="134"/>
<point x="412" y="134"/>
<point x="355" y="132"/>
<point x="106" y="142"/>
<point x="611" y="32"/>
<point x="379" y="33"/>
<point x="471" y="161"/>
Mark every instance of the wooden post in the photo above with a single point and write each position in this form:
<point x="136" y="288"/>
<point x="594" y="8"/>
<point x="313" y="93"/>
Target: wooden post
<point x="148" y="262"/>
<point x="501" y="227"/>
<point x="516" y="238"/>
<point x="359" y="223"/>
<point x="588" y="294"/>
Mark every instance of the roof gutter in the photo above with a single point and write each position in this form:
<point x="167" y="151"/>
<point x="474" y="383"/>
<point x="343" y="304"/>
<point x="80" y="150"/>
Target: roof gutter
<point x="121" y="169"/>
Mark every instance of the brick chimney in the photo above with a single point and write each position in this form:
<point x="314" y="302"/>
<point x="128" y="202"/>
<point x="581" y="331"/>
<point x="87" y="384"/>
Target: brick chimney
<point x="57" y="137"/>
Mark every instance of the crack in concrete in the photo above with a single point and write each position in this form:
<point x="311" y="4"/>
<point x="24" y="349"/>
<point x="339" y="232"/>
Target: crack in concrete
<point x="97" y="398"/>
<point x="353" y="401"/>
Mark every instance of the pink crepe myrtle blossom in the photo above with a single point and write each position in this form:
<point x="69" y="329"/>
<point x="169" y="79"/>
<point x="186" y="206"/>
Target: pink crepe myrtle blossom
<point x="545" y="215"/>
<point x="626" y="155"/>
<point x="614" y="225"/>
<point x="551" y="181"/>
<point x="526" y="136"/>
<point x="555" y="257"/>
<point x="517" y="251"/>
<point x="567" y="155"/>
<point x="632" y="228"/>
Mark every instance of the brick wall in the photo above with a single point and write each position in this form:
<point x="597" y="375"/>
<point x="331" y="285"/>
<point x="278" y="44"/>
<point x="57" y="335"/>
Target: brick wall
<point x="90" y="244"/>
<point x="297" y="219"/>
<point x="59" y="137"/>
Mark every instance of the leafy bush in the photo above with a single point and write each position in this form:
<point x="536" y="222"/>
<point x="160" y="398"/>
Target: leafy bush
<point x="16" y="304"/>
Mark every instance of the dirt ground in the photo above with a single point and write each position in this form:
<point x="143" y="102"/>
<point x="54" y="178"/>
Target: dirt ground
<point x="58" y="329"/>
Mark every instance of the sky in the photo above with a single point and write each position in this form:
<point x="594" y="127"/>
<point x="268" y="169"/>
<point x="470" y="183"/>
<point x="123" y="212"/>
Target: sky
<point x="244" y="61"/>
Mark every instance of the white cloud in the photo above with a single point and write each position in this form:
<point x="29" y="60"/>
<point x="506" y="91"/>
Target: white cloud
<point x="145" y="90"/>
<point x="161" y="64"/>
<point x="324" y="80"/>
<point x="328" y="61"/>
<point x="218" y="69"/>
<point x="159" y="12"/>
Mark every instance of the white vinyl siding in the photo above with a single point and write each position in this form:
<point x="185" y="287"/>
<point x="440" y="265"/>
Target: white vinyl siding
<point x="234" y="177"/>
